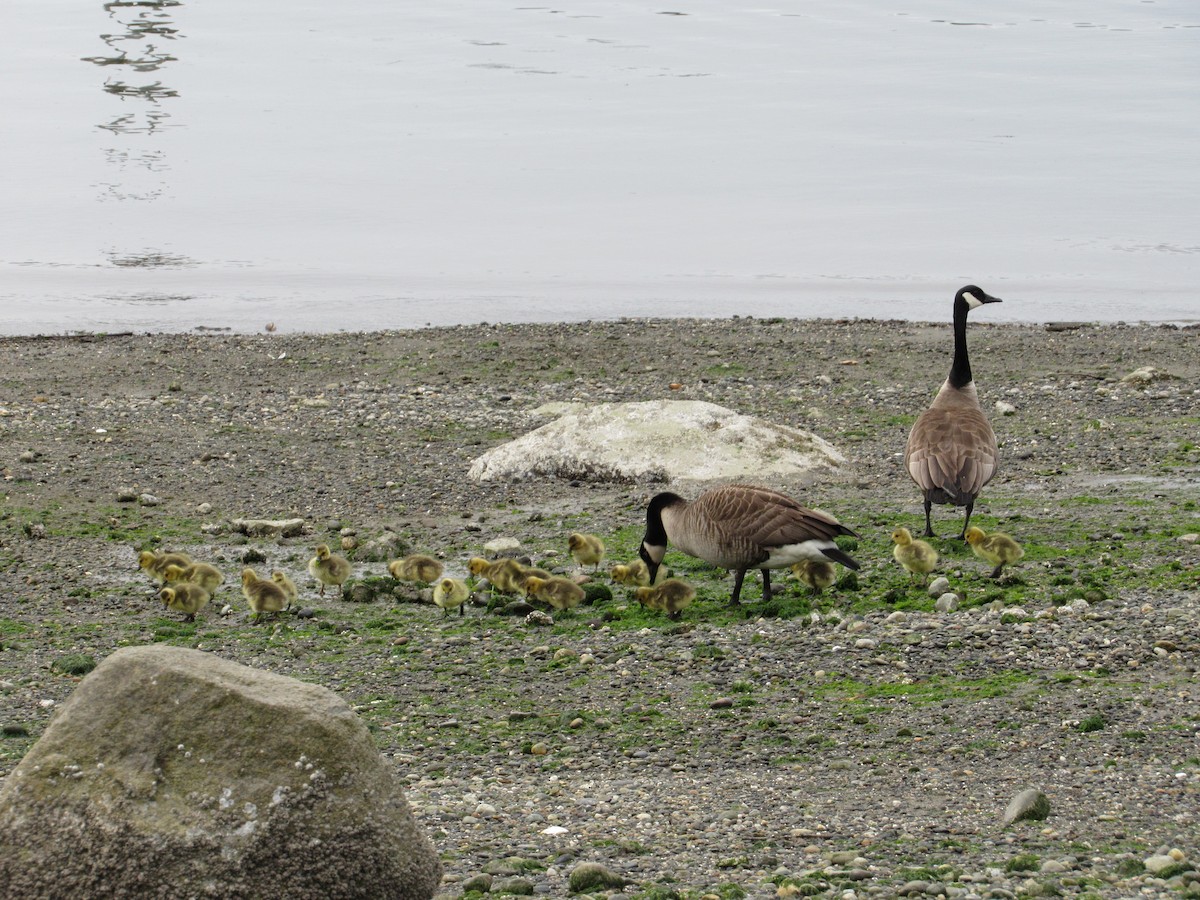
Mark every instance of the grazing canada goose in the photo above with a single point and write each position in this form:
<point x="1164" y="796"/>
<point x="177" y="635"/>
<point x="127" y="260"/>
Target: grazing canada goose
<point x="915" y="555"/>
<point x="419" y="568"/>
<point x="184" y="597"/>
<point x="998" y="549"/>
<point x="818" y="574"/>
<point x="449" y="593"/>
<point x="586" y="549"/>
<point x="155" y="564"/>
<point x="290" y="590"/>
<point x="263" y="596"/>
<point x="503" y="574"/>
<point x="671" y="596"/>
<point x="208" y="577"/>
<point x="558" y="593"/>
<point x="951" y="452"/>
<point x="329" y="568"/>
<point x="740" y="527"/>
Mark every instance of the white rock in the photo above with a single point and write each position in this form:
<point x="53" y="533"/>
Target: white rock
<point x="501" y="545"/>
<point x="657" y="440"/>
<point x="555" y="829"/>
<point x="1159" y="863"/>
<point x="1004" y="408"/>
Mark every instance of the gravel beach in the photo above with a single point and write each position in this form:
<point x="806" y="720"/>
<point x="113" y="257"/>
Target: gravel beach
<point x="860" y="743"/>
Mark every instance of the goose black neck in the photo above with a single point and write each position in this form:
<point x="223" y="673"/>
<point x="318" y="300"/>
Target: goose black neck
<point x="656" y="532"/>
<point x="960" y="369"/>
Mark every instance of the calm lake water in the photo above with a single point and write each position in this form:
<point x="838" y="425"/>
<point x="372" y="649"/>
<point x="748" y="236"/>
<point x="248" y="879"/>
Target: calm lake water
<point x="174" y="164"/>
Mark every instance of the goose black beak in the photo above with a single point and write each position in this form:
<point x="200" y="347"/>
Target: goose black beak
<point x="988" y="298"/>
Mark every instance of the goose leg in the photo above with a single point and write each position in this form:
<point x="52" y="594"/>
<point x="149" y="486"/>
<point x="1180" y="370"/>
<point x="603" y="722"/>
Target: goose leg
<point x="966" y="521"/>
<point x="735" y="598"/>
<point x="928" y="523"/>
<point x="766" y="585"/>
<point x="996" y="571"/>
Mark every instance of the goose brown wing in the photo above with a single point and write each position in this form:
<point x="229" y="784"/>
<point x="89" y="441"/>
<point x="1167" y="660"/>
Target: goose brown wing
<point x="757" y="519"/>
<point x="952" y="450"/>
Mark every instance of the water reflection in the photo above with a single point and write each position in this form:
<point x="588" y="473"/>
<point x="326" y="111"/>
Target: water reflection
<point x="138" y="48"/>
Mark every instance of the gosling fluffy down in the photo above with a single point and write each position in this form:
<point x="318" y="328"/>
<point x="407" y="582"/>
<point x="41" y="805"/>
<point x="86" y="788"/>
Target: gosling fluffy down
<point x="155" y="564"/>
<point x="206" y="576"/>
<point x="586" y="549"/>
<point x="504" y="575"/>
<point x="557" y="593"/>
<point x="329" y="569"/>
<point x="184" y="597"/>
<point x="290" y="590"/>
<point x="449" y="593"/>
<point x="263" y="596"/>
<point x="816" y="574"/>
<point x="419" y="568"/>
<point x="998" y="549"/>
<point x="672" y="597"/>
<point x="916" y="556"/>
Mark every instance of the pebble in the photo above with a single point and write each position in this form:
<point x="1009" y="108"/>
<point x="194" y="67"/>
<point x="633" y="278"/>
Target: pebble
<point x="946" y="603"/>
<point x="939" y="586"/>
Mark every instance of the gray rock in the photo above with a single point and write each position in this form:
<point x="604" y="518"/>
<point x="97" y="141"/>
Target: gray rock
<point x="268" y="527"/>
<point x="148" y="500"/>
<point x="174" y="772"/>
<point x="656" y="440"/>
<point x="939" y="586"/>
<point x="1159" y="863"/>
<point x="947" y="602"/>
<point x="1029" y="804"/>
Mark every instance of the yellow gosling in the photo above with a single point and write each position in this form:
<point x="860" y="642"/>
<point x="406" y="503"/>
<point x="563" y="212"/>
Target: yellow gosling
<point x="817" y="574"/>
<point x="998" y="549"/>
<point x="418" y="568"/>
<point x="449" y="593"/>
<point x="208" y="577"/>
<point x="916" y="556"/>
<point x="329" y="569"/>
<point x="502" y="574"/>
<point x="290" y="591"/>
<point x="672" y="597"/>
<point x="586" y="549"/>
<point x="557" y="593"/>
<point x="184" y="597"/>
<point x="155" y="564"/>
<point x="263" y="596"/>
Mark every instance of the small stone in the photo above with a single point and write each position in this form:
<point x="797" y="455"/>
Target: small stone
<point x="896" y="618"/>
<point x="502" y="546"/>
<point x="1004" y="408"/>
<point x="1190" y="538"/>
<point x="1029" y="804"/>
<point x="204" y="509"/>
<point x="521" y="887"/>
<point x="539" y="749"/>
<point x="484" y="811"/>
<point x="28" y="456"/>
<point x="148" y="500"/>
<point x="946" y="603"/>
<point x="939" y="586"/>
<point x="721" y="703"/>
<point x="126" y="495"/>
<point x="865" y="644"/>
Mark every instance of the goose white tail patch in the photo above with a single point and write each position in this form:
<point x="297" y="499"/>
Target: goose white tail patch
<point x="790" y="554"/>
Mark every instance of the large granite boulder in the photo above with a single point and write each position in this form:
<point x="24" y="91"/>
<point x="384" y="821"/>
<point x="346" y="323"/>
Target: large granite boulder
<point x="657" y="440"/>
<point x="174" y="773"/>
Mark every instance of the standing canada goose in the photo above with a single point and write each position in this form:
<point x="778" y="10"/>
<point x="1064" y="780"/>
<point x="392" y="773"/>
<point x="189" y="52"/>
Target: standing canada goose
<point x="915" y="555"/>
<point x="671" y="596"/>
<point x="290" y="590"/>
<point x="184" y="597"/>
<point x="328" y="568"/>
<point x="449" y="593"/>
<point x="998" y="549"/>
<point x="587" y="549"/>
<point x="263" y="596"/>
<point x="419" y="568"/>
<point x="951" y="452"/>
<point x="740" y="527"/>
<point x="558" y="593"/>
<point x="818" y="574"/>
<point x="208" y="577"/>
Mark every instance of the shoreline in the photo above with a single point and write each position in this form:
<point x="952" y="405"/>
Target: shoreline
<point x="859" y="734"/>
